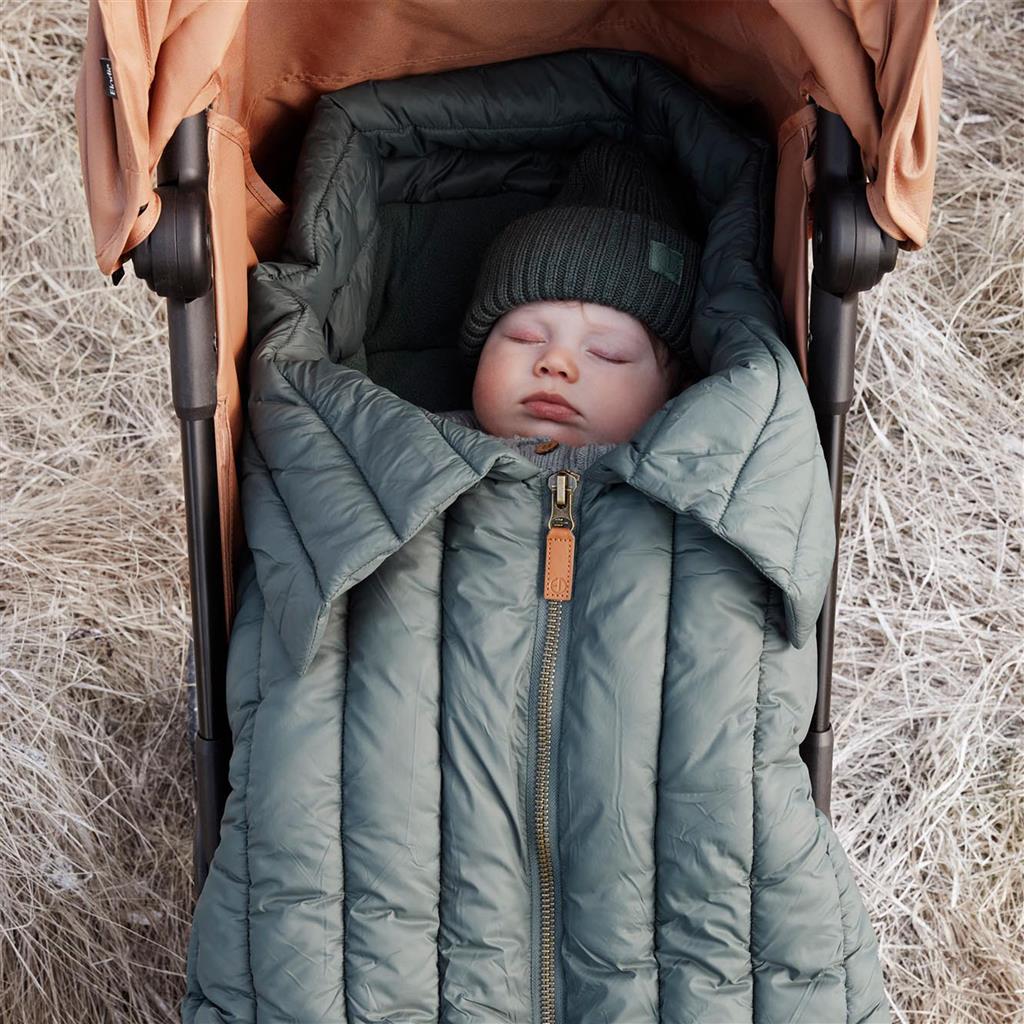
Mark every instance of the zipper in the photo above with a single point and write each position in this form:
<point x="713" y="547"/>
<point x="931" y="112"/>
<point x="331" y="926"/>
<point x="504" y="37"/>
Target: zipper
<point x="559" y="559"/>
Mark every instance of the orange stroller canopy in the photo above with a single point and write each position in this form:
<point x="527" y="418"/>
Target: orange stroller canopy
<point x="261" y="64"/>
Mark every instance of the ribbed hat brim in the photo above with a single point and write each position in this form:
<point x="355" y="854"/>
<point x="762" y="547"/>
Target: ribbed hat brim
<point x="613" y="257"/>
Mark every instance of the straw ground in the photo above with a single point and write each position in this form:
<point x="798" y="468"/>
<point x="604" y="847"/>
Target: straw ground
<point x="95" y="786"/>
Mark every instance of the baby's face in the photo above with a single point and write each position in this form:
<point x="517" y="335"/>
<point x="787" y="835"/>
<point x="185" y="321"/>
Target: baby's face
<point x="598" y="360"/>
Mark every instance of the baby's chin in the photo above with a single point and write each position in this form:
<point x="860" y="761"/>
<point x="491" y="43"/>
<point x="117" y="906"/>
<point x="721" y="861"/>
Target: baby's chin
<point x="572" y="434"/>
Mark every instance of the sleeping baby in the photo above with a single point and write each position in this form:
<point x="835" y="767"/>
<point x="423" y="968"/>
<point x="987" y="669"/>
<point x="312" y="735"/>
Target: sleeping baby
<point x="580" y="317"/>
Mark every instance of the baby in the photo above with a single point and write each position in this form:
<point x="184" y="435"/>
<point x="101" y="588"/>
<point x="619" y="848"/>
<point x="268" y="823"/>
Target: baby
<point x="579" y="372"/>
<point x="579" y="323"/>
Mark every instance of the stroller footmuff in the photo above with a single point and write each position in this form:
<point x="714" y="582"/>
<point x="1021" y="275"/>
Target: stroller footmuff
<point x="442" y="808"/>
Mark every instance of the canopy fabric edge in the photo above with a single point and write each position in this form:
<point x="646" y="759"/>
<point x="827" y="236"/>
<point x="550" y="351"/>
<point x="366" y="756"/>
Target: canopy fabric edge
<point x="876" y="62"/>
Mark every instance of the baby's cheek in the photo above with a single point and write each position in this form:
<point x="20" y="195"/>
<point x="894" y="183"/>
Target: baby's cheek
<point x="487" y="387"/>
<point x="638" y="401"/>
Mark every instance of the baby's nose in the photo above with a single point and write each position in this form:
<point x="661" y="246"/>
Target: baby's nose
<point x="556" y="363"/>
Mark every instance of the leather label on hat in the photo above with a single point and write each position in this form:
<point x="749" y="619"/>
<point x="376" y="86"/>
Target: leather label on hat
<point x="665" y="261"/>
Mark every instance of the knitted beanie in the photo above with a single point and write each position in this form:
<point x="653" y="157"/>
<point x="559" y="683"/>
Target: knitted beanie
<point x="610" y="236"/>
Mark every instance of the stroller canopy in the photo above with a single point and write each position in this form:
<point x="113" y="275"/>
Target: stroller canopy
<point x="262" y="64"/>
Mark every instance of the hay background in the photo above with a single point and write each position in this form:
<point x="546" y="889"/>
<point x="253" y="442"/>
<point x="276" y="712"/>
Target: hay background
<point x="95" y="784"/>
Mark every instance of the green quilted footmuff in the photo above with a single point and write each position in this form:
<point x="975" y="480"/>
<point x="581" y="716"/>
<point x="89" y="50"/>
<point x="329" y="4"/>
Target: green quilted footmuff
<point x="452" y="799"/>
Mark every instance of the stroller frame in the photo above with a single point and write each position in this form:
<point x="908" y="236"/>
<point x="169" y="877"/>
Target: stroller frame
<point x="851" y="254"/>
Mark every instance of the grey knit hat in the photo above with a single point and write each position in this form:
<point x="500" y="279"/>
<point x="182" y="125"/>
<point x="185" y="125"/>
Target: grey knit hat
<point x="610" y="236"/>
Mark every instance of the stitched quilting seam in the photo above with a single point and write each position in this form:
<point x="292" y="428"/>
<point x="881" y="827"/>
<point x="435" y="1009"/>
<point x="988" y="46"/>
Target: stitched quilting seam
<point x="248" y="815"/>
<point x="369" y="242"/>
<point x="291" y="521"/>
<point x="844" y="924"/>
<point x="661" y="733"/>
<point x="327" y="188"/>
<point x="800" y="532"/>
<point x="755" y="748"/>
<point x="344" y="447"/>
<point x="767" y="419"/>
<point x="303" y="308"/>
<point x="341" y="805"/>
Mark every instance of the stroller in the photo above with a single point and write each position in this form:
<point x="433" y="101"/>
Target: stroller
<point x="212" y="159"/>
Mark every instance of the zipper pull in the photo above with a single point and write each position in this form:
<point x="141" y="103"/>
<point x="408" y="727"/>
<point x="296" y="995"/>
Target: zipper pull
<point x="560" y="548"/>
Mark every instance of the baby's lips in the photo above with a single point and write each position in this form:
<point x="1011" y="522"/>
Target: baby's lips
<point x="550" y="410"/>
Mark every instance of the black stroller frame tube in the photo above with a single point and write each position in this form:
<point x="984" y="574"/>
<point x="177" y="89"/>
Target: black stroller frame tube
<point x="851" y="254"/>
<point x="175" y="261"/>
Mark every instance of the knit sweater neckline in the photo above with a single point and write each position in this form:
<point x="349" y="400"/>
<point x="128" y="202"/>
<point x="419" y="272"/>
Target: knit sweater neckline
<point x="542" y="449"/>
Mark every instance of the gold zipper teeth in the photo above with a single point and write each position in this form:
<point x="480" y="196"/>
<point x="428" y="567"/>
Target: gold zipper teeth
<point x="557" y="589"/>
<point x="542" y="813"/>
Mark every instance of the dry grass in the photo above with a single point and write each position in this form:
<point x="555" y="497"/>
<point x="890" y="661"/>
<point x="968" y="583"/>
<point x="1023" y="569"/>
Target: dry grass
<point x="95" y="786"/>
<point x="929" y="687"/>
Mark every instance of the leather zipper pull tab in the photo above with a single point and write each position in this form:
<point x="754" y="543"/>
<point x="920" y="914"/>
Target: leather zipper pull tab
<point x="560" y="548"/>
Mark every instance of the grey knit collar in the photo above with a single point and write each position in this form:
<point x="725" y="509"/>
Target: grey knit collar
<point x="563" y="456"/>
